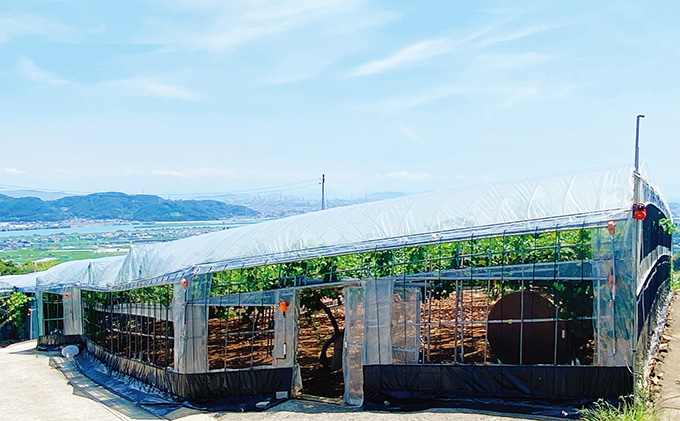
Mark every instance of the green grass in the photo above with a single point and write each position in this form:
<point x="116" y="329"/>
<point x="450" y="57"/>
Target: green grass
<point x="31" y="255"/>
<point x="675" y="281"/>
<point x="78" y="246"/>
<point x="637" y="409"/>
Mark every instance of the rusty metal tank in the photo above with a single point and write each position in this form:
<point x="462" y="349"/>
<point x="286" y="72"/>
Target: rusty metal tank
<point x="537" y="332"/>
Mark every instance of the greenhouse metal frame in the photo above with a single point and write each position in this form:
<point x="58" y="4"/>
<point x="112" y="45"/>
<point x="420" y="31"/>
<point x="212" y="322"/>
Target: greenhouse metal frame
<point x="445" y="296"/>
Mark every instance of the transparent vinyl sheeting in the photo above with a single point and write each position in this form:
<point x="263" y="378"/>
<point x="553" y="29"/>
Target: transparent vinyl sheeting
<point x="350" y="228"/>
<point x="553" y="242"/>
<point x="569" y="199"/>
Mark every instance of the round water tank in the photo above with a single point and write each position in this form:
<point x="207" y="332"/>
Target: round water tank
<point x="536" y="333"/>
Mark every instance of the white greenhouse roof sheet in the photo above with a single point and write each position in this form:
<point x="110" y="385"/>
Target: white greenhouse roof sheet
<point x="494" y="206"/>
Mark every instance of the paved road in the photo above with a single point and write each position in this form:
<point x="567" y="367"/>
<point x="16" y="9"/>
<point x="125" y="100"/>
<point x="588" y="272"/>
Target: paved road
<point x="669" y="367"/>
<point x="32" y="390"/>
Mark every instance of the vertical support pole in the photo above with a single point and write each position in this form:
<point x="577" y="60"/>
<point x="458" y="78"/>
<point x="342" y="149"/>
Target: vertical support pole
<point x="637" y="241"/>
<point x="637" y="195"/>
<point x="614" y="276"/>
<point x="110" y="296"/>
<point x="455" y="324"/>
<point x="41" y="312"/>
<point x="378" y="326"/>
<point x="147" y="323"/>
<point x="190" y="316"/>
<point x="31" y="321"/>
<point x="521" y="324"/>
<point x="226" y="335"/>
<point x="556" y="258"/>
<point x="637" y="142"/>
<point x="637" y="249"/>
<point x="354" y="342"/>
<point x="486" y="318"/>
<point x="73" y="311"/>
<point x="165" y="328"/>
<point x="323" y="191"/>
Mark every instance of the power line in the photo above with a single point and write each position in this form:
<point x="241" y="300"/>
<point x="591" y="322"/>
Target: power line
<point x="269" y="189"/>
<point x="43" y="190"/>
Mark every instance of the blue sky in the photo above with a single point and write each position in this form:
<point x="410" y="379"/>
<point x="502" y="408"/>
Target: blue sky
<point x="180" y="97"/>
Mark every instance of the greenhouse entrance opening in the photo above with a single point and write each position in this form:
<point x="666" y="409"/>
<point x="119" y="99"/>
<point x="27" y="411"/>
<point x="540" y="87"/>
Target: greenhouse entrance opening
<point x="53" y="314"/>
<point x="320" y="342"/>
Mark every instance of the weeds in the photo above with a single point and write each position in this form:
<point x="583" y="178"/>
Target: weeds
<point x="675" y="281"/>
<point x="632" y="408"/>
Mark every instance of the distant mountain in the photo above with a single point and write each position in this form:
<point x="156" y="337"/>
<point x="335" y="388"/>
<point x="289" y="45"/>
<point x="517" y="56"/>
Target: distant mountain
<point x="44" y="195"/>
<point x="98" y="206"/>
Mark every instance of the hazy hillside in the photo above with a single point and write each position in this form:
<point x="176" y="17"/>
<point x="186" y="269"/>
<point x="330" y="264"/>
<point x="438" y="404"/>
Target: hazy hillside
<point x="100" y="206"/>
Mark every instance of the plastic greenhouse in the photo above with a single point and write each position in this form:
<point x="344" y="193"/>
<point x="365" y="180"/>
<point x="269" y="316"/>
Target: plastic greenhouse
<point x="546" y="289"/>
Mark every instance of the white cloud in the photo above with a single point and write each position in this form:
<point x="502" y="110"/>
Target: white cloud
<point x="295" y="8"/>
<point x="11" y="171"/>
<point x="408" y="176"/>
<point x="196" y="173"/>
<point x="420" y="51"/>
<point x="411" y="54"/>
<point x="512" y="61"/>
<point x="515" y="95"/>
<point x="28" y="69"/>
<point x="213" y="172"/>
<point x="131" y="171"/>
<point x="504" y="97"/>
<point x="362" y="20"/>
<point x="522" y="33"/>
<point x="297" y="68"/>
<point x="23" y="24"/>
<point x="148" y="87"/>
<point x="502" y="11"/>
<point x="168" y="173"/>
<point x="224" y="25"/>
<point x="410" y="134"/>
<point x="406" y="103"/>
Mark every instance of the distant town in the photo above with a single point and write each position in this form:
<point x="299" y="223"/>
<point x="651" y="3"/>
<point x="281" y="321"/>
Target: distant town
<point x="84" y="238"/>
<point x="60" y="247"/>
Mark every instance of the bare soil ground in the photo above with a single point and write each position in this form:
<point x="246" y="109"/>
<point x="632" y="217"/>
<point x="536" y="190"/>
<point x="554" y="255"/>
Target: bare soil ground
<point x="443" y="338"/>
<point x="240" y="342"/>
<point x="446" y="342"/>
<point x="313" y="333"/>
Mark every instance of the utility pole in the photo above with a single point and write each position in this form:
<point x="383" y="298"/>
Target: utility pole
<point x="323" y="191"/>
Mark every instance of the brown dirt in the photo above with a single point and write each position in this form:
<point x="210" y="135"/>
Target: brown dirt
<point x="313" y="333"/>
<point x="445" y="337"/>
<point x="232" y="343"/>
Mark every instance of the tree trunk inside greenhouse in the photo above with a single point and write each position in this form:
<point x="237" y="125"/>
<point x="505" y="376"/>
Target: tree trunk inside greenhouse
<point x="319" y="352"/>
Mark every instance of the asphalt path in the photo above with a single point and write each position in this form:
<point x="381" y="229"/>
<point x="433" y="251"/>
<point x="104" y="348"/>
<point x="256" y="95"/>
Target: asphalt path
<point x="667" y="371"/>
